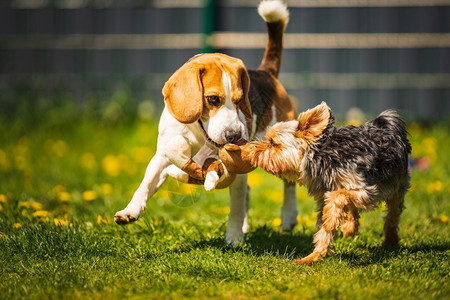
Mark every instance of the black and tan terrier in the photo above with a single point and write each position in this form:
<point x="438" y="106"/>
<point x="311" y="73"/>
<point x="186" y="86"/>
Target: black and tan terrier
<point x="346" y="169"/>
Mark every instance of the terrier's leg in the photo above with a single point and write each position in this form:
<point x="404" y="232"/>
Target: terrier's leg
<point x="392" y="219"/>
<point x="350" y="224"/>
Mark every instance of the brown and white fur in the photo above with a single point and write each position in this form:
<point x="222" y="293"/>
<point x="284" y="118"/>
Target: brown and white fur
<point x="212" y="100"/>
<point x="346" y="169"/>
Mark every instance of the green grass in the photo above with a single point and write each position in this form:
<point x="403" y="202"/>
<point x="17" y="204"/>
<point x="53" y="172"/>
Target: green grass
<point x="63" y="178"/>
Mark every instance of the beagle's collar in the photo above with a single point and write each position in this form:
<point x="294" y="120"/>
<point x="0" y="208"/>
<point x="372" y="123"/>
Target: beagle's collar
<point x="207" y="136"/>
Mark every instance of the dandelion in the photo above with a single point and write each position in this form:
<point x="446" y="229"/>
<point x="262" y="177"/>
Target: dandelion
<point x="41" y="214"/>
<point x="2" y="198"/>
<point x="60" y="222"/>
<point x="89" y="196"/>
<point x="302" y="193"/>
<point x="443" y="219"/>
<point x="24" y="204"/>
<point x="88" y="161"/>
<point x="141" y="154"/>
<point x="3" y="160"/>
<point x="254" y="179"/>
<point x="189" y="189"/>
<point x="276" y="196"/>
<point x="60" y="148"/>
<point x="17" y="225"/>
<point x="276" y="222"/>
<point x="111" y="165"/>
<point x="106" y="189"/>
<point x="64" y="197"/>
<point x="58" y="189"/>
<point x="36" y="205"/>
<point x="435" y="187"/>
<point x="383" y="205"/>
<point x="21" y="162"/>
<point x="101" y="220"/>
<point x="1" y="207"/>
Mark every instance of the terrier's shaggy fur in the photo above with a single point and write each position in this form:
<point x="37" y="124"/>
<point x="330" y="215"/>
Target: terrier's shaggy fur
<point x="345" y="169"/>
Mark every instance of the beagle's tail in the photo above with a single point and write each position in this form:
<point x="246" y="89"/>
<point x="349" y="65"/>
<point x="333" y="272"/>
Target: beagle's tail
<point x="276" y="16"/>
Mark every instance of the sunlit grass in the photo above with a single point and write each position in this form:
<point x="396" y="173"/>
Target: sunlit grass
<point x="62" y="181"/>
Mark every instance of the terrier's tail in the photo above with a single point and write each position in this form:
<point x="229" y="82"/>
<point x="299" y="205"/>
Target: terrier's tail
<point x="391" y="121"/>
<point x="276" y="16"/>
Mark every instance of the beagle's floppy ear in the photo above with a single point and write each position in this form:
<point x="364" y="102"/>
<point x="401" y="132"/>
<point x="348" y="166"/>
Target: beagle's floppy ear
<point x="183" y="93"/>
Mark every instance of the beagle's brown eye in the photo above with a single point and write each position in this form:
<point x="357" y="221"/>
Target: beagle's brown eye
<point x="213" y="100"/>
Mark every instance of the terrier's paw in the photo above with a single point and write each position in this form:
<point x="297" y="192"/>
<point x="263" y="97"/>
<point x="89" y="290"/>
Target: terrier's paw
<point x="313" y="257"/>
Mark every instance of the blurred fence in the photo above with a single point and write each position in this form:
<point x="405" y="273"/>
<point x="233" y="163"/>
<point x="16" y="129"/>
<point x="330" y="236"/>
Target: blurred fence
<point x="372" y="54"/>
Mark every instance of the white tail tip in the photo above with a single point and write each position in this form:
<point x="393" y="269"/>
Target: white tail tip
<point x="273" y="11"/>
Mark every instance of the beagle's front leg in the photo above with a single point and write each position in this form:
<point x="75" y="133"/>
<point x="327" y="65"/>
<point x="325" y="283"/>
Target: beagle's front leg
<point x="154" y="177"/>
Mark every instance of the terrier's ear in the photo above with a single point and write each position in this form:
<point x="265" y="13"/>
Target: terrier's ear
<point x="313" y="122"/>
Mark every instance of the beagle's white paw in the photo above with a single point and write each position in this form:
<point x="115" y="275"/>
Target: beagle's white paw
<point x="126" y="215"/>
<point x="234" y="237"/>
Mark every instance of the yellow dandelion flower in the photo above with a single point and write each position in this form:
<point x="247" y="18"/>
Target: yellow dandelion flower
<point x="88" y="161"/>
<point x="60" y="148"/>
<point x="21" y="162"/>
<point x="3" y="159"/>
<point x="383" y="205"/>
<point x="24" y="204"/>
<point x="101" y="220"/>
<point x="189" y="189"/>
<point x="276" y="222"/>
<point x="435" y="187"/>
<point x="58" y="189"/>
<point x="41" y="214"/>
<point x="309" y="222"/>
<point x="2" y="198"/>
<point x="36" y="205"/>
<point x="1" y="207"/>
<point x="111" y="165"/>
<point x="302" y="193"/>
<point x="60" y="222"/>
<point x="254" y="179"/>
<point x="222" y="210"/>
<point x="164" y="194"/>
<point x="353" y="122"/>
<point x="64" y="197"/>
<point x="314" y="215"/>
<point x="106" y="189"/>
<point x="443" y="219"/>
<point x="299" y="219"/>
<point x="141" y="154"/>
<point x="276" y="196"/>
<point x="89" y="196"/>
<point x="17" y="225"/>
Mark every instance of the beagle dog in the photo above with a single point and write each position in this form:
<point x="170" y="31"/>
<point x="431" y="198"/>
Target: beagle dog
<point x="213" y="100"/>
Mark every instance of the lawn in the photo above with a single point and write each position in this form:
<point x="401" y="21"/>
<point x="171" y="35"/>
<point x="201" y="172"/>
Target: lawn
<point x="65" y="172"/>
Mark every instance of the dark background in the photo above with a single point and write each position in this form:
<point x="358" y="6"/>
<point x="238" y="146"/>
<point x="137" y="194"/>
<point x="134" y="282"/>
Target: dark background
<point x="91" y="49"/>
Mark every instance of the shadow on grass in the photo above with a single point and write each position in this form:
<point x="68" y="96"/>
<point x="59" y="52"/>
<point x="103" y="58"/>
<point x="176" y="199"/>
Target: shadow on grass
<point x="265" y="240"/>
<point x="379" y="254"/>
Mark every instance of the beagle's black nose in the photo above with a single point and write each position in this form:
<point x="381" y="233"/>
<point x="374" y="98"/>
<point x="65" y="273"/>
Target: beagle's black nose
<point x="232" y="136"/>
